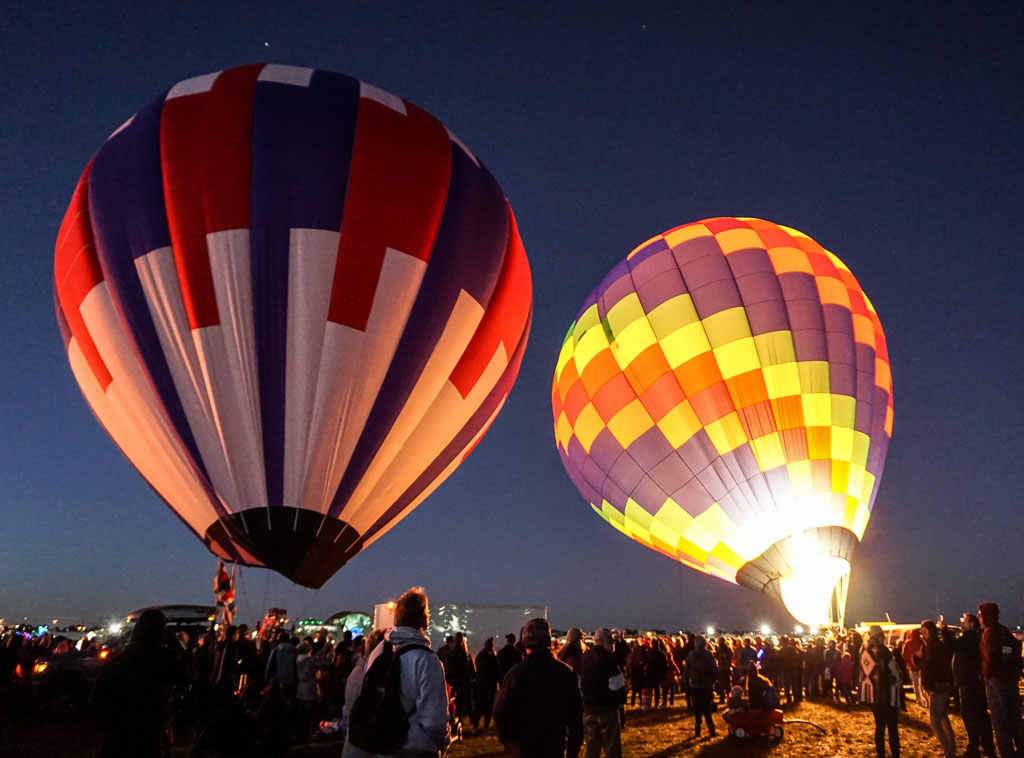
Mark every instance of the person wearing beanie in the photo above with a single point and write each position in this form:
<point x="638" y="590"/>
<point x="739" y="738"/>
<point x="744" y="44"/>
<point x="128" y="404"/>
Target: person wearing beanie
<point x="1001" y="669"/>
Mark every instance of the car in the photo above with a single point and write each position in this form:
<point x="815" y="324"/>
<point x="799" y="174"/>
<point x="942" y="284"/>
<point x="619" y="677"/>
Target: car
<point x="61" y="682"/>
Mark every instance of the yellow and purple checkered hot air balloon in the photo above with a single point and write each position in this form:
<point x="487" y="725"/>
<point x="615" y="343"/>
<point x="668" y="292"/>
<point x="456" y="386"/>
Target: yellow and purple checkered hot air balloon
<point x="724" y="397"/>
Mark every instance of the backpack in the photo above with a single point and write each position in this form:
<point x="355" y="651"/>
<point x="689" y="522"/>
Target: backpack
<point x="377" y="722"/>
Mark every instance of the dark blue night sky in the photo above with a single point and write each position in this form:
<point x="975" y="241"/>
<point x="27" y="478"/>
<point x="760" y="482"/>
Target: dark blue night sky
<point x="889" y="133"/>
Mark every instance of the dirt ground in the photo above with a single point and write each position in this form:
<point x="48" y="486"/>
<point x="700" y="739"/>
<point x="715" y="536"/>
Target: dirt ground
<point x="658" y="734"/>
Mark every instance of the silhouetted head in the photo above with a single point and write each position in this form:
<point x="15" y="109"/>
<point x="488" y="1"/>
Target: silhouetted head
<point x="150" y="629"/>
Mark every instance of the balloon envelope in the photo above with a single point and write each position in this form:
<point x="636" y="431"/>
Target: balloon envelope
<point x="296" y="302"/>
<point x="724" y="397"/>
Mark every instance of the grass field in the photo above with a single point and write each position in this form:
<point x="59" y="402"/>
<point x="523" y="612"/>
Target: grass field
<point x="661" y="734"/>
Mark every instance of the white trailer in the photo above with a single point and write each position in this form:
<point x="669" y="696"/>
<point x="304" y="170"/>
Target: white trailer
<point x="477" y="622"/>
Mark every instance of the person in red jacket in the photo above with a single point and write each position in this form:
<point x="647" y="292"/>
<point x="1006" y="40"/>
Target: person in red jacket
<point x="910" y="649"/>
<point x="1001" y="669"/>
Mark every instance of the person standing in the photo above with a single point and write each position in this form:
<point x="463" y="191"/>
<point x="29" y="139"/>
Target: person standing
<point x="881" y="687"/>
<point x="488" y="677"/>
<point x="935" y="662"/>
<point x="133" y="692"/>
<point x="911" y="648"/>
<point x="509" y="655"/>
<point x="1001" y="669"/>
<point x="701" y="672"/>
<point x="539" y="710"/>
<point x="967" y="678"/>
<point x="604" y="691"/>
<point x="422" y="691"/>
<point x="461" y="674"/>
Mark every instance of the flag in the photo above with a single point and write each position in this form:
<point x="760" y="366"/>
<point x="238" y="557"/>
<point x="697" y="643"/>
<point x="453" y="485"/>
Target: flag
<point x="224" y="590"/>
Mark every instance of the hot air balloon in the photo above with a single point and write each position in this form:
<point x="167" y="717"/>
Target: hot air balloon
<point x="295" y="302"/>
<point x="724" y="397"/>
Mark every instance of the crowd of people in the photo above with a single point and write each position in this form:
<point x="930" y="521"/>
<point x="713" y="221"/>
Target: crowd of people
<point x="235" y="695"/>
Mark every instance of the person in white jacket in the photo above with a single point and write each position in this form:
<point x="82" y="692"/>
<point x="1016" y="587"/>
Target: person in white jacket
<point x="424" y="695"/>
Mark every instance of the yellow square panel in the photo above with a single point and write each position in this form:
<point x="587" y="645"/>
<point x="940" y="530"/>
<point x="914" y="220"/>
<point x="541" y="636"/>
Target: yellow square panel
<point x="853" y="489"/>
<point x="673" y="313"/>
<point x="861" y="445"/>
<point x="817" y="408"/>
<point x="727" y="433"/>
<point x="629" y="423"/>
<point x="664" y="533"/>
<point x="674" y="517"/>
<point x="860" y="521"/>
<point x="814" y="376"/>
<point x="679" y="424"/>
<point x="683" y="234"/>
<point x="590" y="318"/>
<point x="867" y="487"/>
<point x="725" y="554"/>
<point x="844" y="410"/>
<point x="888" y="421"/>
<point x="726" y="326"/>
<point x="588" y="425"/>
<point x="610" y="513"/>
<point x="737" y="357"/>
<point x="774" y="348"/>
<point x="840" y="476"/>
<point x="632" y="341"/>
<point x="589" y="345"/>
<point x="800" y="477"/>
<point x="563" y="431"/>
<point x="782" y="380"/>
<point x="624" y="313"/>
<point x="691" y="552"/>
<point x="842" y="444"/>
<point x="637" y="514"/>
<point x="564" y="356"/>
<point x="732" y="240"/>
<point x="700" y="537"/>
<point x="717" y="521"/>
<point x="685" y="343"/>
<point x="768" y="451"/>
<point x="850" y="512"/>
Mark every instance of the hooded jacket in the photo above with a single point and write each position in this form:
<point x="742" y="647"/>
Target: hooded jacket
<point x="423" y="693"/>
<point x="1000" y="650"/>
<point x="701" y="669"/>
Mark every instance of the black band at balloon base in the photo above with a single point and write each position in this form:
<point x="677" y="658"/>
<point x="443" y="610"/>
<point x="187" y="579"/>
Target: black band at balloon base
<point x="305" y="546"/>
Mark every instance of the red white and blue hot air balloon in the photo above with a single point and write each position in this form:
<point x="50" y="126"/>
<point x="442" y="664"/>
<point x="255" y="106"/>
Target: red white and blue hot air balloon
<point x="295" y="302"/>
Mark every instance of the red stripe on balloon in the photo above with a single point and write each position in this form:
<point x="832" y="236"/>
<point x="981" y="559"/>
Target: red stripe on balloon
<point x="205" y="154"/>
<point x="401" y="164"/>
<point x="76" y="271"/>
<point x="506" y="316"/>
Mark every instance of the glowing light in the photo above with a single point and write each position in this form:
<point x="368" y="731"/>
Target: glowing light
<point x="765" y="630"/>
<point x="114" y="628"/>
<point x="391" y="605"/>
<point x="798" y="629"/>
<point x="711" y="631"/>
<point x="39" y="668"/>
<point x="807" y="588"/>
